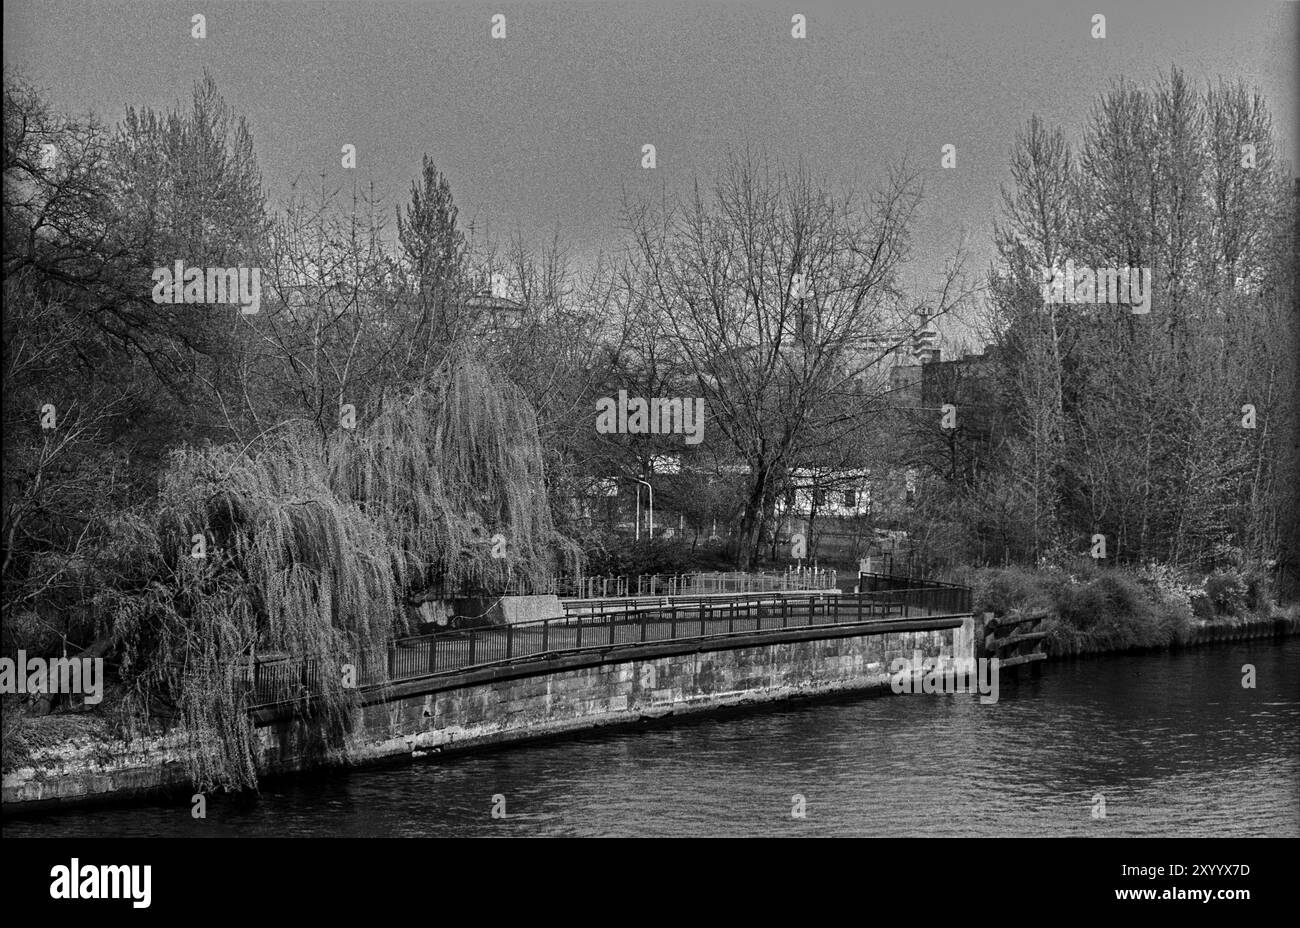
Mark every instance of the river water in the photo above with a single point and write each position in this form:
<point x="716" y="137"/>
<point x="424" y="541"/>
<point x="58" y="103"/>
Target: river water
<point x="1171" y="743"/>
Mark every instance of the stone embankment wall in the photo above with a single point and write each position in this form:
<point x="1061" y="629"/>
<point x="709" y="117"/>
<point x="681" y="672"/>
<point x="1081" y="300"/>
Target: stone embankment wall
<point x="514" y="702"/>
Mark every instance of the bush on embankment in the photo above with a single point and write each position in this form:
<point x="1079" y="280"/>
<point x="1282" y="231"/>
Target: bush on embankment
<point x="1099" y="610"/>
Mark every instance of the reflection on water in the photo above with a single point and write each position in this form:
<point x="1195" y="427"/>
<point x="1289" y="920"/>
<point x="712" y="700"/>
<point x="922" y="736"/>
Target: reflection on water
<point x="1172" y="742"/>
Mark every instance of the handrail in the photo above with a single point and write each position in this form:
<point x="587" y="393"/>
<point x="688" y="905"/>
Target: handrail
<point x="637" y="603"/>
<point x="619" y="585"/>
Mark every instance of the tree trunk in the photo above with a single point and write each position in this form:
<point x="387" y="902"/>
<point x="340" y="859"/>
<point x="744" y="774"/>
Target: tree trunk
<point x="751" y="522"/>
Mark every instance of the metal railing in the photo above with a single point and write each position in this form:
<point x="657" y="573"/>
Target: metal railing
<point x="694" y="583"/>
<point x="624" y="605"/>
<point x="668" y="620"/>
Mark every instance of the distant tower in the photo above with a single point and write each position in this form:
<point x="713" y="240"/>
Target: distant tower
<point x="925" y="343"/>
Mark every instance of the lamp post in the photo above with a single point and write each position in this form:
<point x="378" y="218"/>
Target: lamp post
<point x="651" y="508"/>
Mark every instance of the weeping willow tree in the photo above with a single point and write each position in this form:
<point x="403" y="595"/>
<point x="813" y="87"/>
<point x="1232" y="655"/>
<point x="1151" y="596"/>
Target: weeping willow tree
<point x="453" y="475"/>
<point x="308" y="547"/>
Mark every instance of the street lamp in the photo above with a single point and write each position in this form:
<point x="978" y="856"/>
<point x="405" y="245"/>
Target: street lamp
<point x="652" y="508"/>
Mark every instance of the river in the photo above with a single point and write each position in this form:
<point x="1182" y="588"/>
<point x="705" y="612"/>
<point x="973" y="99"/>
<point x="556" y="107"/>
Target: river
<point x="1170" y="742"/>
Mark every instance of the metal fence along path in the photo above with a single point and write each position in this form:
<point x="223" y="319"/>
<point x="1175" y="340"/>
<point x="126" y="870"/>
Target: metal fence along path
<point x="674" y="619"/>
<point x="694" y="583"/>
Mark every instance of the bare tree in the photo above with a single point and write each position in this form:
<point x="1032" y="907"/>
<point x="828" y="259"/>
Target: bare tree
<point x="780" y="295"/>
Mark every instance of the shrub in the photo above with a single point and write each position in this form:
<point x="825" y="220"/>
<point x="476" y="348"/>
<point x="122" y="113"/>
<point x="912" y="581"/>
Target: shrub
<point x="1259" y="589"/>
<point x="1081" y="607"/>
<point x="1202" y="607"/>
<point x="1001" y="591"/>
<point x="1227" y="591"/>
<point x="1114" y="612"/>
<point x="613" y="556"/>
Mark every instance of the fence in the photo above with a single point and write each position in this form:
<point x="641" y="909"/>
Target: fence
<point x="624" y="605"/>
<point x="667" y="620"/>
<point x="696" y="583"/>
<point x="1015" y="639"/>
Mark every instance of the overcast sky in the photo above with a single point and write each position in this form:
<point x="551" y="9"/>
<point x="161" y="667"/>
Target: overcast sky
<point x="544" y="128"/>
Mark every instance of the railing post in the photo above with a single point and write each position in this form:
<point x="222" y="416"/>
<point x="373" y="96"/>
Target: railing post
<point x="509" y="641"/>
<point x="473" y="638"/>
<point x="546" y="629"/>
<point x="785" y="612"/>
<point x="643" y="626"/>
<point x="701" y="618"/>
<point x="612" y="619"/>
<point x="812" y="609"/>
<point x="433" y="654"/>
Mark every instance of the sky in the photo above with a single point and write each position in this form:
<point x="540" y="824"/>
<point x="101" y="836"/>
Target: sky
<point x="542" y="130"/>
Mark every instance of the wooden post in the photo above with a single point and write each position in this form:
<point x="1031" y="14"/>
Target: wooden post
<point x="981" y="632"/>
